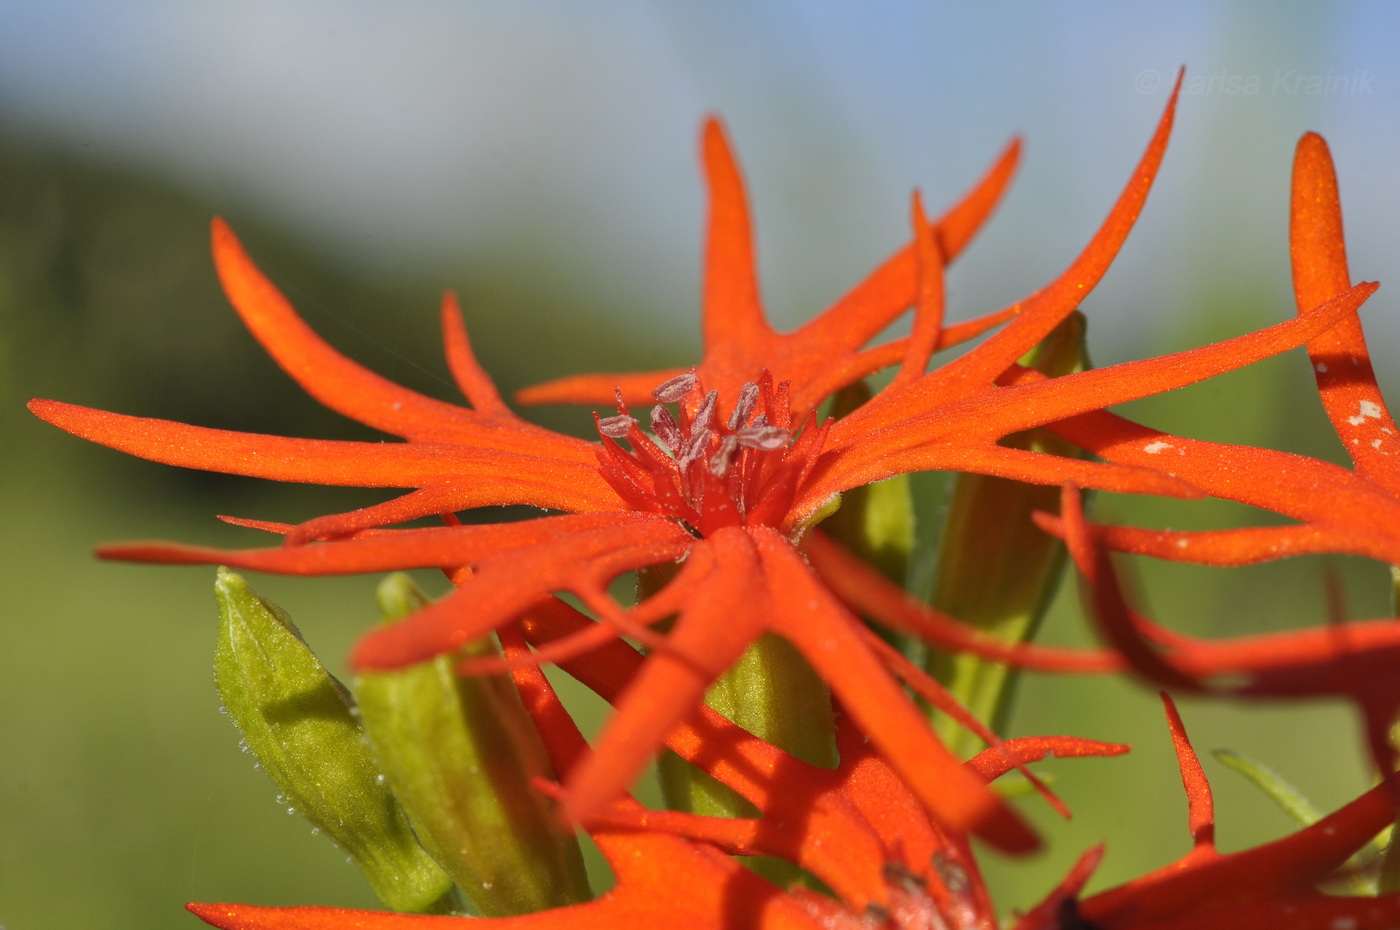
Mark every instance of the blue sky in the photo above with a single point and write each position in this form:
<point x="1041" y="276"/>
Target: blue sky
<point x="409" y="135"/>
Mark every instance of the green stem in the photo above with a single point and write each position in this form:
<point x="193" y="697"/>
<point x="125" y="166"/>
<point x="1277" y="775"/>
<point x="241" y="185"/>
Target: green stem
<point x="996" y="570"/>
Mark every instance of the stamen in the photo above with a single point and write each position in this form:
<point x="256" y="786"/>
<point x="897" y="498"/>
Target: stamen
<point x="670" y="392"/>
<point x="706" y="414"/>
<point x="763" y="438"/>
<point x="663" y="424"/>
<point x="896" y="873"/>
<point x="748" y="399"/>
<point x="952" y="874"/>
<point x="705" y="473"/>
<point x="616" y="427"/>
<point x="877" y="913"/>
<point x="694" y="449"/>
<point x="724" y="456"/>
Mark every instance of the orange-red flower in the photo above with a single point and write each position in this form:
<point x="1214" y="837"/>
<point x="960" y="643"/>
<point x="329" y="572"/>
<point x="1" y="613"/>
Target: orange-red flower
<point x="738" y="471"/>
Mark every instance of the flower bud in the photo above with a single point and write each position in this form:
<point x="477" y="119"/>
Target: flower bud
<point x="300" y="723"/>
<point x="460" y="752"/>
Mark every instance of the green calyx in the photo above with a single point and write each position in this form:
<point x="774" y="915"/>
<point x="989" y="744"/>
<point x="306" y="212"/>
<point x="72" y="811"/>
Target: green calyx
<point x="459" y="753"/>
<point x="301" y="724"/>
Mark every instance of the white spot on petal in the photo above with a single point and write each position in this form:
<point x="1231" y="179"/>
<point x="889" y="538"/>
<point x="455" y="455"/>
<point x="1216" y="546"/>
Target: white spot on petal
<point x="1322" y="367"/>
<point x="1366" y="409"/>
<point x="1152" y="448"/>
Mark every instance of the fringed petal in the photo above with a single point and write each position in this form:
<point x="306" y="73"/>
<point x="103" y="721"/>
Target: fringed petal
<point x="928" y="303"/>
<point x="1200" y="814"/>
<point x="869" y="593"/>
<point x="485" y="476"/>
<point x="732" y="313"/>
<point x="856" y="466"/>
<point x="472" y="380"/>
<point x="824" y="355"/>
<point x="809" y="617"/>
<point x="1038" y="314"/>
<point x="635" y="388"/>
<point x="1341" y="362"/>
<point x="890" y="290"/>
<point x="1244" y="546"/>
<point x="508" y="582"/>
<point x="994" y="762"/>
<point x="710" y="633"/>
<point x="1266" y="887"/>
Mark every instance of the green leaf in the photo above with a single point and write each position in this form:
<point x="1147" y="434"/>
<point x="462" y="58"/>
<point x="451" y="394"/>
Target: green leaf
<point x="1296" y="805"/>
<point x="1287" y="797"/>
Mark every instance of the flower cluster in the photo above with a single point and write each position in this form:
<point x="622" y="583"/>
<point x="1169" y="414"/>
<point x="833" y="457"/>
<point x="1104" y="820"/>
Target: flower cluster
<point x="787" y="677"/>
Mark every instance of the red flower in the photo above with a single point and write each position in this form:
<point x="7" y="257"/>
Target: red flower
<point x="738" y="472"/>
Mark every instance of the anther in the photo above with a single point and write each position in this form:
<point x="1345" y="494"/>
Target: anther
<point x="952" y="874"/>
<point x="724" y="456"/>
<point x="705" y="415"/>
<point x="670" y="392"/>
<point x="664" y="425"/>
<point x="896" y="873"/>
<point x="694" y="449"/>
<point x="748" y="399"/>
<point x="763" y="438"/>
<point x="616" y="427"/>
<point x="877" y="912"/>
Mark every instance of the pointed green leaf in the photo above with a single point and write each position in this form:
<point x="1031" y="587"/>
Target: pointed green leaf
<point x="1296" y="805"/>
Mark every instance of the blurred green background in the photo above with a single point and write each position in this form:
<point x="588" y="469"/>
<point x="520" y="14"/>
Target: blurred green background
<point x="539" y="160"/>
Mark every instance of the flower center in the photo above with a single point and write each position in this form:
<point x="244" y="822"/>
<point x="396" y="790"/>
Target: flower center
<point x="705" y="471"/>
